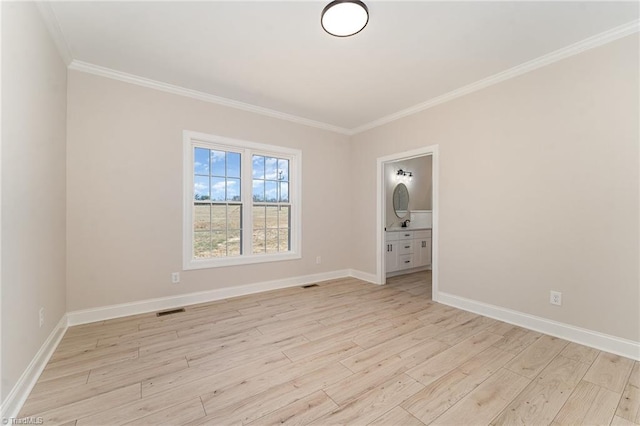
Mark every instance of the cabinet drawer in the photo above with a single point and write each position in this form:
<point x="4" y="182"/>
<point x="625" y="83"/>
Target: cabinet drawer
<point x="398" y="235"/>
<point x="405" y="261"/>
<point x="405" y="247"/>
<point x="405" y="235"/>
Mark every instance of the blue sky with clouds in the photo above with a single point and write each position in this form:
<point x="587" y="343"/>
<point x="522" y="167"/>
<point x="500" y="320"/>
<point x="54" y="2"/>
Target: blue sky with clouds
<point x="216" y="171"/>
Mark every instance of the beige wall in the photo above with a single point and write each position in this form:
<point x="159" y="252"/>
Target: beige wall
<point x="34" y="80"/>
<point x="539" y="189"/>
<point x="419" y="186"/>
<point x="124" y="191"/>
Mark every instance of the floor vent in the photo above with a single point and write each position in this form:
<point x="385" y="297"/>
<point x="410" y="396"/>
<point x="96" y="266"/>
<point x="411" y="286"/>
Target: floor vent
<point x="172" y="311"/>
<point x="310" y="285"/>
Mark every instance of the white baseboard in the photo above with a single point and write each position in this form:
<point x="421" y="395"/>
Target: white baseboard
<point x="151" y="305"/>
<point x="364" y="276"/>
<point x="13" y="403"/>
<point x="594" y="339"/>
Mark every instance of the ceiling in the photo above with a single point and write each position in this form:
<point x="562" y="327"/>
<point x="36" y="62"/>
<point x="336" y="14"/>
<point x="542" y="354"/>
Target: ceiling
<point x="275" y="55"/>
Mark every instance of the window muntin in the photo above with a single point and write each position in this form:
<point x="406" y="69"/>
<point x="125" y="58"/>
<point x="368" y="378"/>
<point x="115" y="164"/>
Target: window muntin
<point x="244" y="203"/>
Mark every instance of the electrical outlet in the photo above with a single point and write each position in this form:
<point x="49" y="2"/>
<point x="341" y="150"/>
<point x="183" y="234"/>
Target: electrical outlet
<point x="556" y="298"/>
<point x="175" y="277"/>
<point x="318" y="260"/>
<point x="41" y="316"/>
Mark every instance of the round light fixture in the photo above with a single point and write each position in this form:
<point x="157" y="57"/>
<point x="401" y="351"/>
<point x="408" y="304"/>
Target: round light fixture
<point x="344" y="18"/>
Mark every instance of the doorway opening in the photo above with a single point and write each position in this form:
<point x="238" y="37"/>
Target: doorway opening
<point x="393" y="180"/>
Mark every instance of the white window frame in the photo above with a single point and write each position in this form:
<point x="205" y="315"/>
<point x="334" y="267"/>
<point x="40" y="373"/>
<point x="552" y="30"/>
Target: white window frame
<point x="247" y="149"/>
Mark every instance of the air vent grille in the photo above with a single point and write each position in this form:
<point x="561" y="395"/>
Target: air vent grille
<point x="170" y="312"/>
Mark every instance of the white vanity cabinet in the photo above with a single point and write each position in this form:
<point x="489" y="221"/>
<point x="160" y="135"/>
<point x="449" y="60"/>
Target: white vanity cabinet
<point x="422" y="248"/>
<point x="399" y="254"/>
<point x="407" y="249"/>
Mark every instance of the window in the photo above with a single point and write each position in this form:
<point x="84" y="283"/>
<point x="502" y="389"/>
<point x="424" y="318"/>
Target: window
<point x="242" y="202"/>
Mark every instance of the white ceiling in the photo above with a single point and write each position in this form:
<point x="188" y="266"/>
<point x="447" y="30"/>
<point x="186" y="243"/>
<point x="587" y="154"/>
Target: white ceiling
<point x="275" y="55"/>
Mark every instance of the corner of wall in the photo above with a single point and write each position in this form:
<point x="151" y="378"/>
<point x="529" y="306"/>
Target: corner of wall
<point x="14" y="401"/>
<point x="604" y="342"/>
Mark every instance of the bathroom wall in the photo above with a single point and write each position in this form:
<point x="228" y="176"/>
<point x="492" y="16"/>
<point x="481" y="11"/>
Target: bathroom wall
<point x="419" y="186"/>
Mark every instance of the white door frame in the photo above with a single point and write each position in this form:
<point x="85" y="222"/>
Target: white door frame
<point x="381" y="212"/>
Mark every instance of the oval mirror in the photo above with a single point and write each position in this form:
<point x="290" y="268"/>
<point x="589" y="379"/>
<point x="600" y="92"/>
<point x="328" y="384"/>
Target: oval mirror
<point x="401" y="200"/>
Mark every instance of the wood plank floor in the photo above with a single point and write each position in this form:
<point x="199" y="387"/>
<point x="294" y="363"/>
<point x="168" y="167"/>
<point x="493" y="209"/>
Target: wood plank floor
<point x="344" y="352"/>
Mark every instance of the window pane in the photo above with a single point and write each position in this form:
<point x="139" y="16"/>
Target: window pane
<point x="201" y="244"/>
<point x="234" y="216"/>
<point x="283" y="169"/>
<point x="234" y="246"/>
<point x="258" y="241"/>
<point x="217" y="189"/>
<point x="201" y="161"/>
<point x="258" y="167"/>
<point x="272" y="240"/>
<point x="284" y="192"/>
<point x="217" y="163"/>
<point x="258" y="217"/>
<point x="219" y="217"/>
<point x="271" y="191"/>
<point x="271" y="168"/>
<point x="219" y="243"/>
<point x="284" y="240"/>
<point x="233" y="164"/>
<point x="201" y="217"/>
<point x="201" y="188"/>
<point x="284" y="217"/>
<point x="258" y="190"/>
<point x="233" y="189"/>
<point x="272" y="216"/>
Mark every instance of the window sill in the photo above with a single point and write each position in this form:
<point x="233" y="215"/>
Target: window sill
<point x="240" y="260"/>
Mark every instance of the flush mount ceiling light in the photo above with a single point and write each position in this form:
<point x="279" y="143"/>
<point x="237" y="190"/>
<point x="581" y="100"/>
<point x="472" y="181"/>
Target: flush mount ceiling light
<point x="344" y="18"/>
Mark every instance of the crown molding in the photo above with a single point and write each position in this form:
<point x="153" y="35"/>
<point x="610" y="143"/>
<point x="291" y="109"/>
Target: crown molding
<point x="202" y="96"/>
<point x="550" y="58"/>
<point x="53" y="25"/>
<point x="555" y="56"/>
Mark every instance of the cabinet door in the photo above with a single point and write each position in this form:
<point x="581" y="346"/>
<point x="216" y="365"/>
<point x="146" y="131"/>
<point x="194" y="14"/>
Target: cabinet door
<point x="422" y="252"/>
<point x="391" y="256"/>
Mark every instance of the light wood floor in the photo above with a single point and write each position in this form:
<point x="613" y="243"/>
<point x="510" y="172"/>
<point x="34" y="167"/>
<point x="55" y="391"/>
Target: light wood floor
<point x="345" y="352"/>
